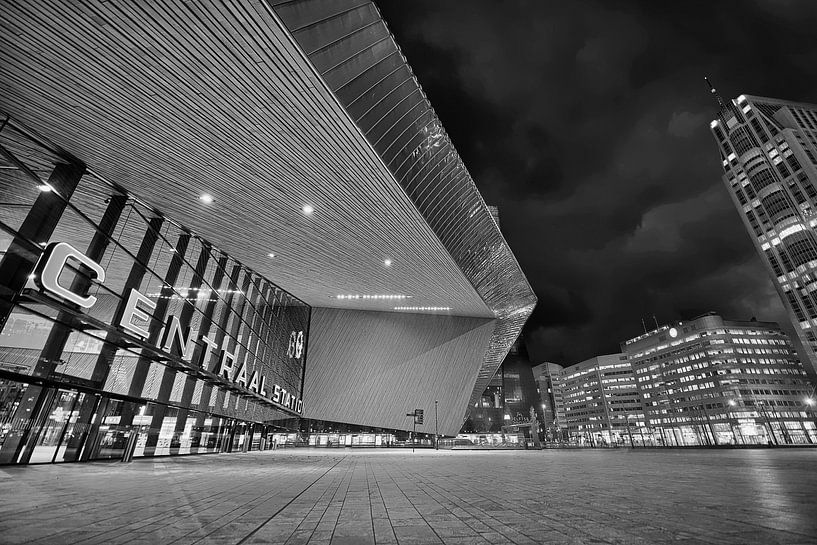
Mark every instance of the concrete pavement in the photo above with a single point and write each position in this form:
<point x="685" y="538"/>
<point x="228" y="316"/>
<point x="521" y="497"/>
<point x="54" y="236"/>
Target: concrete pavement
<point x="395" y="497"/>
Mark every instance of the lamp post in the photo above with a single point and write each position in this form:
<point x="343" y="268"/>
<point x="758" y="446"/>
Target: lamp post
<point x="436" y="432"/>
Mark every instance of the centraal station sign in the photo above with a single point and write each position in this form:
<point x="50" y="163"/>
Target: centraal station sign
<point x="136" y="316"/>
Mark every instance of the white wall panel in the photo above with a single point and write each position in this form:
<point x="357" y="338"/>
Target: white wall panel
<point x="372" y="368"/>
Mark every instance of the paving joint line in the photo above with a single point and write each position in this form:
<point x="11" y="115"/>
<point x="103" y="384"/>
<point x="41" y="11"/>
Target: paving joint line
<point x="287" y="504"/>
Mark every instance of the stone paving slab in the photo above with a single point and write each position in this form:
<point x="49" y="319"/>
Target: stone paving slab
<point x="357" y="497"/>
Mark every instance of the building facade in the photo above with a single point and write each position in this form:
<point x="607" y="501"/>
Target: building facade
<point x="209" y="235"/>
<point x="601" y="402"/>
<point x="489" y="413"/>
<point x="130" y="332"/>
<point x="551" y="393"/>
<point x="510" y="395"/>
<point x="711" y="381"/>
<point x="768" y="150"/>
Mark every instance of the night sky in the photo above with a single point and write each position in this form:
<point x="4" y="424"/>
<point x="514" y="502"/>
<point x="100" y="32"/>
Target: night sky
<point x="587" y="123"/>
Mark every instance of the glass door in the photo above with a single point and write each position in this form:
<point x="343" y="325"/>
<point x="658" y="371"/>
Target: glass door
<point x="62" y="416"/>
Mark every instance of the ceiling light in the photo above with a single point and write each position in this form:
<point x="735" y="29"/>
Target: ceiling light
<point x="45" y="188"/>
<point x="422" y="308"/>
<point x="206" y="198"/>
<point x="32" y="276"/>
<point x="307" y="209"/>
<point x="387" y="262"/>
<point x="270" y="255"/>
<point x="370" y="296"/>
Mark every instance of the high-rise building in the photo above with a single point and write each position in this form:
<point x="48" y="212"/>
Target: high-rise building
<point x="488" y="413"/>
<point x="509" y="396"/>
<point x="602" y="405"/>
<point x="768" y="151"/>
<point x="549" y="383"/>
<point x="711" y="381"/>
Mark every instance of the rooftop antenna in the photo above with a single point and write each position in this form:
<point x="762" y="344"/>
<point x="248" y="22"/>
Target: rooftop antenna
<point x="715" y="92"/>
<point x="654" y="319"/>
<point x="643" y="324"/>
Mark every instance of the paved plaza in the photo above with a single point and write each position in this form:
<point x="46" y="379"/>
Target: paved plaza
<point x="393" y="496"/>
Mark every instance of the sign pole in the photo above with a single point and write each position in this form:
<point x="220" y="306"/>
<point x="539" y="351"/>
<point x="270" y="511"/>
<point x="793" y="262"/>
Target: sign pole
<point x="436" y="430"/>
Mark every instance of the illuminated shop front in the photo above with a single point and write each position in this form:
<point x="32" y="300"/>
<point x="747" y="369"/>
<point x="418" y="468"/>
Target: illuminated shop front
<point x="122" y="333"/>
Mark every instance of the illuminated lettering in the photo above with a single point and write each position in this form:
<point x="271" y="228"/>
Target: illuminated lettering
<point x="136" y="320"/>
<point x="53" y="262"/>
<point x="211" y="347"/>
<point x="225" y="369"/>
<point x="241" y="376"/>
<point x="132" y="311"/>
<point x="299" y="344"/>
<point x="174" y="332"/>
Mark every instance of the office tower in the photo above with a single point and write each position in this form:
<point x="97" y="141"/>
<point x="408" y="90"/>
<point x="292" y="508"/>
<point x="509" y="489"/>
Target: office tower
<point x="711" y="381"/>
<point x="602" y="405"/>
<point x="509" y="396"/>
<point x="768" y="151"/>
<point x="549" y="383"/>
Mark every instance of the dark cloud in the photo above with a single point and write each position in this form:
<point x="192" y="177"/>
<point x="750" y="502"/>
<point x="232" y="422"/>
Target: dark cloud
<point x="586" y="122"/>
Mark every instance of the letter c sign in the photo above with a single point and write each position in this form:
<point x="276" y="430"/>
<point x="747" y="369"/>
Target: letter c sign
<point x="51" y="265"/>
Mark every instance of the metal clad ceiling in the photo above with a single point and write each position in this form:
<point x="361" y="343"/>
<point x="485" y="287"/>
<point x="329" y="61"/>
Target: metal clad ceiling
<point x="353" y="51"/>
<point x="172" y="99"/>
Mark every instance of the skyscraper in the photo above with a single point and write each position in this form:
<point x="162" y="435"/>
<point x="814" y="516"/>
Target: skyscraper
<point x="549" y="383"/>
<point x="769" y="155"/>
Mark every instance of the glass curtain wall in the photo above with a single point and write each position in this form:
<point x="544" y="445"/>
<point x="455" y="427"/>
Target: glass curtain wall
<point x="191" y="370"/>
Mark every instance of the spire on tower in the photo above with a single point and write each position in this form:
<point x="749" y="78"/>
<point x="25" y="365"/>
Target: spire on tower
<point x="715" y="92"/>
<point x="726" y="110"/>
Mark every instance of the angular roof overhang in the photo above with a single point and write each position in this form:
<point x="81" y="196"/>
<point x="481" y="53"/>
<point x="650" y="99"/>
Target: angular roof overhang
<point x="233" y="99"/>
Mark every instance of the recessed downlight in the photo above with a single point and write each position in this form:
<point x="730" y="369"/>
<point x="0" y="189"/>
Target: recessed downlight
<point x="423" y="308"/>
<point x="307" y="209"/>
<point x="270" y="255"/>
<point x="387" y="262"/>
<point x="45" y="188"/>
<point x="206" y="198"/>
<point x="385" y="297"/>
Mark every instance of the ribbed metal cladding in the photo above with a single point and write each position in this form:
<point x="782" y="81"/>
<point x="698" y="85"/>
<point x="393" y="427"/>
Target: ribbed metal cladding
<point x="352" y="49"/>
<point x="173" y="99"/>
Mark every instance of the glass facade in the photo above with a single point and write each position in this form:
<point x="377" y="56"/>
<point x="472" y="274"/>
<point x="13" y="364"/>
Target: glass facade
<point x="122" y="333"/>
<point x="509" y="397"/>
